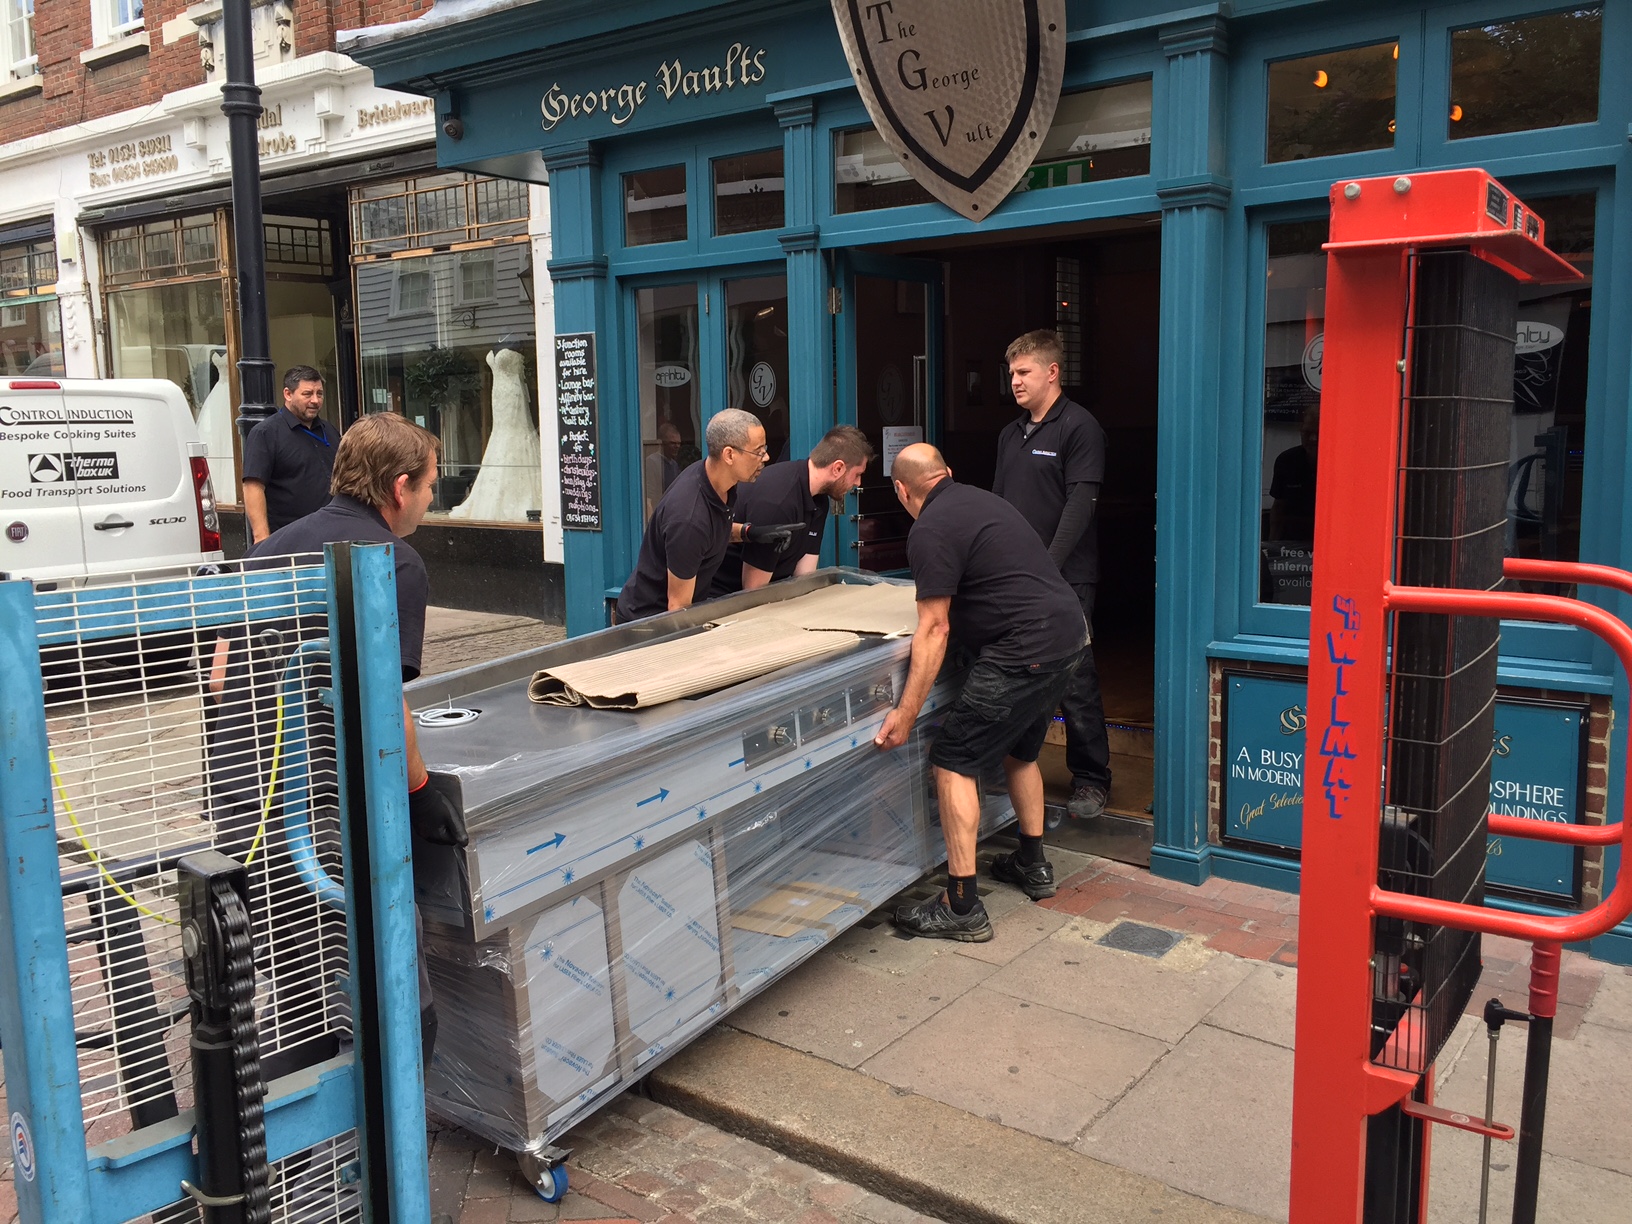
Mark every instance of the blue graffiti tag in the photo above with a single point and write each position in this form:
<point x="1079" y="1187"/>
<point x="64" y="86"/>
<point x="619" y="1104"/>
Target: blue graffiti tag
<point x="1341" y="648"/>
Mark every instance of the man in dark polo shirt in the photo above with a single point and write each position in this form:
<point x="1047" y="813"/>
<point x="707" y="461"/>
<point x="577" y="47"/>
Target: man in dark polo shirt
<point x="384" y="478"/>
<point x="795" y="494"/>
<point x="984" y="584"/>
<point x="688" y="532"/>
<point x="1050" y="465"/>
<point x="288" y="457"/>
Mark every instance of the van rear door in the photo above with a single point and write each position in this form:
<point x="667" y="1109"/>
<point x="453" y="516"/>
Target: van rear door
<point x="135" y="482"/>
<point x="39" y="513"/>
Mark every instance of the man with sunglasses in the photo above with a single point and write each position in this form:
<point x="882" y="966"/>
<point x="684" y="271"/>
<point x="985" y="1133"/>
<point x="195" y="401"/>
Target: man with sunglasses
<point x="691" y="528"/>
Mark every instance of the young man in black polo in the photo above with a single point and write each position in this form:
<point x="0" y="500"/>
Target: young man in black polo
<point x="1050" y="465"/>
<point x="288" y="457"/>
<point x="384" y="479"/>
<point x="795" y="494"/>
<point x="985" y="584"/>
<point x="688" y="532"/>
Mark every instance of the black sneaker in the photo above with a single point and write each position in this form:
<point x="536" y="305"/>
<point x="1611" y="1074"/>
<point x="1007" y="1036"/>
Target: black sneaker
<point x="1086" y="802"/>
<point x="934" y="919"/>
<point x="1036" y="881"/>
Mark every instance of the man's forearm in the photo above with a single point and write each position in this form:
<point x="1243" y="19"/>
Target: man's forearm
<point x="928" y="653"/>
<point x="414" y="762"/>
<point x="255" y="510"/>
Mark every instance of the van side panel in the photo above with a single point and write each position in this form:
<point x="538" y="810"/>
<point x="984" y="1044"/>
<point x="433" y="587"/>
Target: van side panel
<point x="38" y="497"/>
<point x="136" y="499"/>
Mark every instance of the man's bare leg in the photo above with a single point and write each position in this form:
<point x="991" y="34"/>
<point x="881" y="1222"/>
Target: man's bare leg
<point x="1026" y="793"/>
<point x="960" y="818"/>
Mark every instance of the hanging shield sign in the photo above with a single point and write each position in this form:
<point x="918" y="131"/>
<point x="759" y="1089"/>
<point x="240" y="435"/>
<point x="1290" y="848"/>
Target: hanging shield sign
<point x="962" y="91"/>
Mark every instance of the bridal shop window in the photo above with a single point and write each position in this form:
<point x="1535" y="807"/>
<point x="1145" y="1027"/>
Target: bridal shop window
<point x="445" y="333"/>
<point x="30" y="323"/>
<point x="165" y="285"/>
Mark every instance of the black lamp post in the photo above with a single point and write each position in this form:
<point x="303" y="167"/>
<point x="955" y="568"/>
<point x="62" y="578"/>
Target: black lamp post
<point x="241" y="103"/>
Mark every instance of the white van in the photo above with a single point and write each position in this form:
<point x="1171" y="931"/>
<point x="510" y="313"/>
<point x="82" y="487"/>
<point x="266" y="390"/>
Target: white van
<point x="100" y="477"/>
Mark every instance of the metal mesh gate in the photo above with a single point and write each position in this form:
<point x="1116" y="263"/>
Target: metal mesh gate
<point x="184" y="714"/>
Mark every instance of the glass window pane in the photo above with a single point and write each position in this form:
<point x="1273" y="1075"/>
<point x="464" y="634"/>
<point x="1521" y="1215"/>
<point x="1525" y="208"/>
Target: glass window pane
<point x="1334" y="102"/>
<point x="748" y="193"/>
<point x="1546" y="462"/>
<point x="1550" y="392"/>
<point x="756" y="347"/>
<point x="867" y="175"/>
<point x="179" y="332"/>
<point x="654" y="206"/>
<point x="31" y="337"/>
<point x="1294" y="339"/>
<point x="467" y="371"/>
<point x="1096" y="134"/>
<point x="671" y="423"/>
<point x="1539" y="72"/>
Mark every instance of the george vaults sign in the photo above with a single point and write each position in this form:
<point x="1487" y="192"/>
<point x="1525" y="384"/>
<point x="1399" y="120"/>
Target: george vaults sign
<point x="963" y="91"/>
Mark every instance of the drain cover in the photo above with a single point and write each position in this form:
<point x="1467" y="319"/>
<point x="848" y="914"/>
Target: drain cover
<point x="1140" y="939"/>
<point x="446" y="716"/>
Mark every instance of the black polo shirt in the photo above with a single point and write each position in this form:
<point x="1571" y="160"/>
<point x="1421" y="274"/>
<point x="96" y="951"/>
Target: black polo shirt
<point x="1035" y="473"/>
<point x="1008" y="602"/>
<point x="780" y="495"/>
<point x="686" y="537"/>
<point x="293" y="462"/>
<point x="346" y="519"/>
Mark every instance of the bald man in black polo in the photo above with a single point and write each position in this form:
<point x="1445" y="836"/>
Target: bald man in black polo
<point x="985" y="584"/>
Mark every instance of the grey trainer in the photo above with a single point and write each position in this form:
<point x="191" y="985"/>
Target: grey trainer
<point x="1035" y="880"/>
<point x="934" y="919"/>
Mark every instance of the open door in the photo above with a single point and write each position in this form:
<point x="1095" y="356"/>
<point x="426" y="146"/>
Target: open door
<point x="889" y="387"/>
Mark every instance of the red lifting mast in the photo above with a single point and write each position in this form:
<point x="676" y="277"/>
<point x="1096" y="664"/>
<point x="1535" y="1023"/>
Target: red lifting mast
<point x="1364" y="1049"/>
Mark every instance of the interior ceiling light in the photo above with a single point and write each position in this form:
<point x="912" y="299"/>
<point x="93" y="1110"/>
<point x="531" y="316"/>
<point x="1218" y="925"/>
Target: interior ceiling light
<point x="1321" y="79"/>
<point x="1396" y="50"/>
<point x="1456" y="114"/>
<point x="766" y="311"/>
<point x="1391" y="126"/>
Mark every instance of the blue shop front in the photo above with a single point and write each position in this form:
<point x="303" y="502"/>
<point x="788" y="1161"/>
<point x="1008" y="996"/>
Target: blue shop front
<point x="729" y="229"/>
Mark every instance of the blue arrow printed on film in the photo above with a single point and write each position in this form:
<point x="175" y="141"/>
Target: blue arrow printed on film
<point x="662" y="794"/>
<point x="551" y="844"/>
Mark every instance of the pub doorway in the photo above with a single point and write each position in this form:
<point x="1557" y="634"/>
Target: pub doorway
<point x="921" y="357"/>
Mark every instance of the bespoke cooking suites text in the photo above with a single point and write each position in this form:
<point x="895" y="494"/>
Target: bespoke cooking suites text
<point x="743" y="66"/>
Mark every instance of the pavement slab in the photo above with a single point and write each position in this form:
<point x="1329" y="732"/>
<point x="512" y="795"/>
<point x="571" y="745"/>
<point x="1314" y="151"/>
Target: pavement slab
<point x="1163" y="998"/>
<point x="1263" y="1006"/>
<point x="1036" y="1069"/>
<point x="1214" y="1117"/>
<point x="928" y="1155"/>
<point x="847" y="1012"/>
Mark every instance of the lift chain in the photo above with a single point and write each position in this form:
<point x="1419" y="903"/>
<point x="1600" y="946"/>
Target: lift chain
<point x="229" y="1088"/>
<point x="233" y="916"/>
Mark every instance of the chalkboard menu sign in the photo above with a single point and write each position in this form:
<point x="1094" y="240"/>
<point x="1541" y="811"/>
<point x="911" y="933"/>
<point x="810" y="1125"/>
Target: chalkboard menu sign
<point x="576" y="406"/>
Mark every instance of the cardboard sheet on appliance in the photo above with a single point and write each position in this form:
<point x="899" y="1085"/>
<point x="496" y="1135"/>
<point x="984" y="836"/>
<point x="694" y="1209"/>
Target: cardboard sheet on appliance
<point x="792" y="908"/>
<point x="885" y="609"/>
<point x="683" y="667"/>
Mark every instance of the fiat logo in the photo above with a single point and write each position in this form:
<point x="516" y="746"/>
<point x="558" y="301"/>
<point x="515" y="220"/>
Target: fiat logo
<point x="17" y="532"/>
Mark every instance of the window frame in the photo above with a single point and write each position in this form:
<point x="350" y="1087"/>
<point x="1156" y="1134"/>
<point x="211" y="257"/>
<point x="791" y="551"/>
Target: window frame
<point x="107" y="28"/>
<point x="714" y="159"/>
<point x="19" y="67"/>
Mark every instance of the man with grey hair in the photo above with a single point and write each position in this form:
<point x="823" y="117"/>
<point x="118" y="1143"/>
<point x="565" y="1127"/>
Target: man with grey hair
<point x="691" y="528"/>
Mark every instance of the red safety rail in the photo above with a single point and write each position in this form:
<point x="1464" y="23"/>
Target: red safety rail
<point x="1376" y="226"/>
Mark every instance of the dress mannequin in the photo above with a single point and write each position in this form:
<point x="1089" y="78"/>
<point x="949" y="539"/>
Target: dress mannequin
<point x="509" y="483"/>
<point x="215" y="430"/>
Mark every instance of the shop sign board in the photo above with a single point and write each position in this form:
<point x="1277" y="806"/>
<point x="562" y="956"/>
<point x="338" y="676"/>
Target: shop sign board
<point x="1535" y="774"/>
<point x="577" y="408"/>
<point x="963" y="91"/>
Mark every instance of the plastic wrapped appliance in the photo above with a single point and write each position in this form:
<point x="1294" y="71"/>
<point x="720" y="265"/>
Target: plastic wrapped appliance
<point x="634" y="875"/>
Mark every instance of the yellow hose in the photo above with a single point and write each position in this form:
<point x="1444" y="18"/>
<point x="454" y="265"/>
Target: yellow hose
<point x="260" y="832"/>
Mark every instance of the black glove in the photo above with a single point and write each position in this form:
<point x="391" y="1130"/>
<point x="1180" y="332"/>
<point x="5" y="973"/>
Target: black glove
<point x="780" y="535"/>
<point x="436" y="811"/>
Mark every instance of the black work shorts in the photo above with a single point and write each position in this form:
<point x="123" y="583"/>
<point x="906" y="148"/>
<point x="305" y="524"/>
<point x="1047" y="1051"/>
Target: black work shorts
<point x="1002" y="712"/>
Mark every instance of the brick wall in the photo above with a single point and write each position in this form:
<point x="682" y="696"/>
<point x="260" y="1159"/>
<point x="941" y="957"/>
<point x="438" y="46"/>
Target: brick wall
<point x="73" y="92"/>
